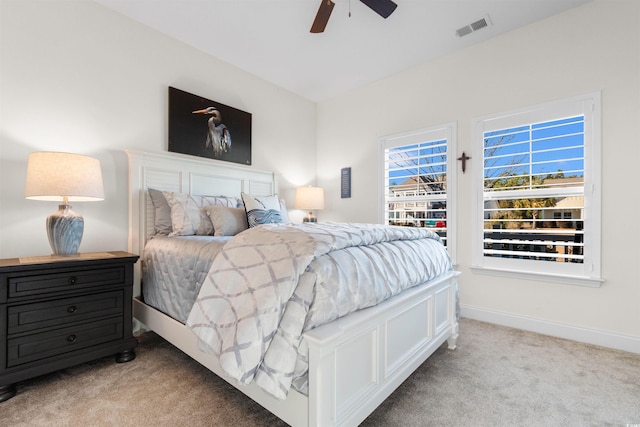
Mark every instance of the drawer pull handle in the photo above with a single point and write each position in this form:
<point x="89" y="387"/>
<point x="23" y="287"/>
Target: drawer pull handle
<point x="71" y="338"/>
<point x="73" y="280"/>
<point x="72" y="309"/>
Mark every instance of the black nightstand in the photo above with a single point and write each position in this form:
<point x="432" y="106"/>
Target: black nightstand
<point x="62" y="310"/>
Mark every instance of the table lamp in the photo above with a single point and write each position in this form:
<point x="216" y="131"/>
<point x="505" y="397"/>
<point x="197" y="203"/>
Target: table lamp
<point x="309" y="198"/>
<point x="65" y="177"/>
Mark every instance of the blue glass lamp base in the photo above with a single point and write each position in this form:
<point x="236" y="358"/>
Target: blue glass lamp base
<point x="64" y="229"/>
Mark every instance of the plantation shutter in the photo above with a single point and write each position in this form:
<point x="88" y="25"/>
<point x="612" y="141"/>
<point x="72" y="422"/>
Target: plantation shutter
<point x="533" y="193"/>
<point x="415" y="181"/>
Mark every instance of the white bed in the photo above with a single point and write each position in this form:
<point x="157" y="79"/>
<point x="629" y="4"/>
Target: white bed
<point x="355" y="362"/>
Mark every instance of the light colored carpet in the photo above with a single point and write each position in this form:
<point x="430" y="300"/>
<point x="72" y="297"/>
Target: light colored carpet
<point x="497" y="377"/>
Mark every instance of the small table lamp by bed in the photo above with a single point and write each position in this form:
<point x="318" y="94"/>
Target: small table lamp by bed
<point x="309" y="198"/>
<point x="65" y="177"/>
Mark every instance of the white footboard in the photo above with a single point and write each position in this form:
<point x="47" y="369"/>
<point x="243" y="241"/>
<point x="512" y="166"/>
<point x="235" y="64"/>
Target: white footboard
<point x="355" y="363"/>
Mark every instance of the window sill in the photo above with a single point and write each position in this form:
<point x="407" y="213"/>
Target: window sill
<point x="554" y="278"/>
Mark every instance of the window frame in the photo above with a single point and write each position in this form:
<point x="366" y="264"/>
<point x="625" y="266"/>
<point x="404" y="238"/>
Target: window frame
<point x="587" y="273"/>
<point x="446" y="131"/>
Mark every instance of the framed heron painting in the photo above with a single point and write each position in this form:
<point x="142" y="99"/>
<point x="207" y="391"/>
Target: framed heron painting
<point x="206" y="128"/>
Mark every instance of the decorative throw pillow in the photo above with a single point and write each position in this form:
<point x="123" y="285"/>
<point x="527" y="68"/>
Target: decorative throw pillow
<point x="262" y="209"/>
<point x="188" y="216"/>
<point x="227" y="221"/>
<point x="284" y="213"/>
<point x="162" y="212"/>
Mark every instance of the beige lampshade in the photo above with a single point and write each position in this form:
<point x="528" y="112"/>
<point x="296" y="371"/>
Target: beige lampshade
<point x="309" y="198"/>
<point x="52" y="176"/>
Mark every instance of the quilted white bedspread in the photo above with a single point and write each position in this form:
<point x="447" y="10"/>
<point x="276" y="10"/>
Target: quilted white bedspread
<point x="272" y="283"/>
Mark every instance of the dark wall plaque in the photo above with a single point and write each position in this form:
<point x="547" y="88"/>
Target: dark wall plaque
<point x="345" y="180"/>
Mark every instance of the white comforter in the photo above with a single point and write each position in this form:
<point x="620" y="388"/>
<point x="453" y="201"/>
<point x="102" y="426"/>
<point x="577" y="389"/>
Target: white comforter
<point x="272" y="283"/>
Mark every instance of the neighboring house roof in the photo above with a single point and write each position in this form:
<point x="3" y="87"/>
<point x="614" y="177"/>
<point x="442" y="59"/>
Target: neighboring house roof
<point x="571" y="202"/>
<point x="414" y="182"/>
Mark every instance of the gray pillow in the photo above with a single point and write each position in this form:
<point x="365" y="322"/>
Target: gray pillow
<point x="227" y="221"/>
<point x="162" y="212"/>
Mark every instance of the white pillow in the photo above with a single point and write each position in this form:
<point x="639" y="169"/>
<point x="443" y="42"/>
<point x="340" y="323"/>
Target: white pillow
<point x="264" y="210"/>
<point x="284" y="213"/>
<point x="227" y="221"/>
<point x="188" y="216"/>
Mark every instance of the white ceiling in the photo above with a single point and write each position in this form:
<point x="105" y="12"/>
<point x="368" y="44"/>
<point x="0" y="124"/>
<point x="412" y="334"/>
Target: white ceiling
<point x="271" y="39"/>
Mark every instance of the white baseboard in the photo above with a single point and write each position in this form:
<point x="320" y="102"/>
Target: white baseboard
<point x="560" y="330"/>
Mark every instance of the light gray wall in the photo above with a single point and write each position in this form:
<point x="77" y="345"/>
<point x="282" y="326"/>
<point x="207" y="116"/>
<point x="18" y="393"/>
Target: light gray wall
<point x="594" y="47"/>
<point x="77" y="77"/>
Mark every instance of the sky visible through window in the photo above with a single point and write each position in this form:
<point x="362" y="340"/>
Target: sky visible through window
<point x="426" y="159"/>
<point x="536" y="150"/>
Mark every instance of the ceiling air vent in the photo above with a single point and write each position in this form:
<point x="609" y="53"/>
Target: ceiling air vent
<point x="474" y="26"/>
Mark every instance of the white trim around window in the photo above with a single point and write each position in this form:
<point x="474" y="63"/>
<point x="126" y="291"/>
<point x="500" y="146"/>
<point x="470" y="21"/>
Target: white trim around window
<point x="518" y="260"/>
<point x="429" y="136"/>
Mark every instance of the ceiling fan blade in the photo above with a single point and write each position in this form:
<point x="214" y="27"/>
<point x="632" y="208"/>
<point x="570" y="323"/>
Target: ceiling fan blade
<point x="383" y="8"/>
<point x="322" y="17"/>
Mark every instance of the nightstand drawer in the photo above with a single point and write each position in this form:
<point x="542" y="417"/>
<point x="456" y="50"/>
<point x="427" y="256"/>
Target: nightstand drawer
<point x="27" y="317"/>
<point x="63" y="281"/>
<point x="34" y="347"/>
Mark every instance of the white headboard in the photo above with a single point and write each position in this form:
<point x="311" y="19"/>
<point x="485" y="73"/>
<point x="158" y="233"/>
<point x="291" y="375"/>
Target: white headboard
<point x="185" y="174"/>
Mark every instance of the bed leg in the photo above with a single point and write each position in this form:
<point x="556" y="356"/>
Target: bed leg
<point x="453" y="338"/>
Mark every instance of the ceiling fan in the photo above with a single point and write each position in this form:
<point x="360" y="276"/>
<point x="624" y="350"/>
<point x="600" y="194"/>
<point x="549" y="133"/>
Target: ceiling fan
<point x="383" y="8"/>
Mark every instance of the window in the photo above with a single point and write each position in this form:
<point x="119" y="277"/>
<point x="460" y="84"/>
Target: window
<point x="418" y="188"/>
<point x="538" y="191"/>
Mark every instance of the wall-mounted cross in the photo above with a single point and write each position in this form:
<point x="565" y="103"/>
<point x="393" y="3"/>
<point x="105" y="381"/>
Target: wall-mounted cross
<point x="464" y="159"/>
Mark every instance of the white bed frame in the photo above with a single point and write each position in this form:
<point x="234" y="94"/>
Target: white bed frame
<point x="355" y="362"/>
